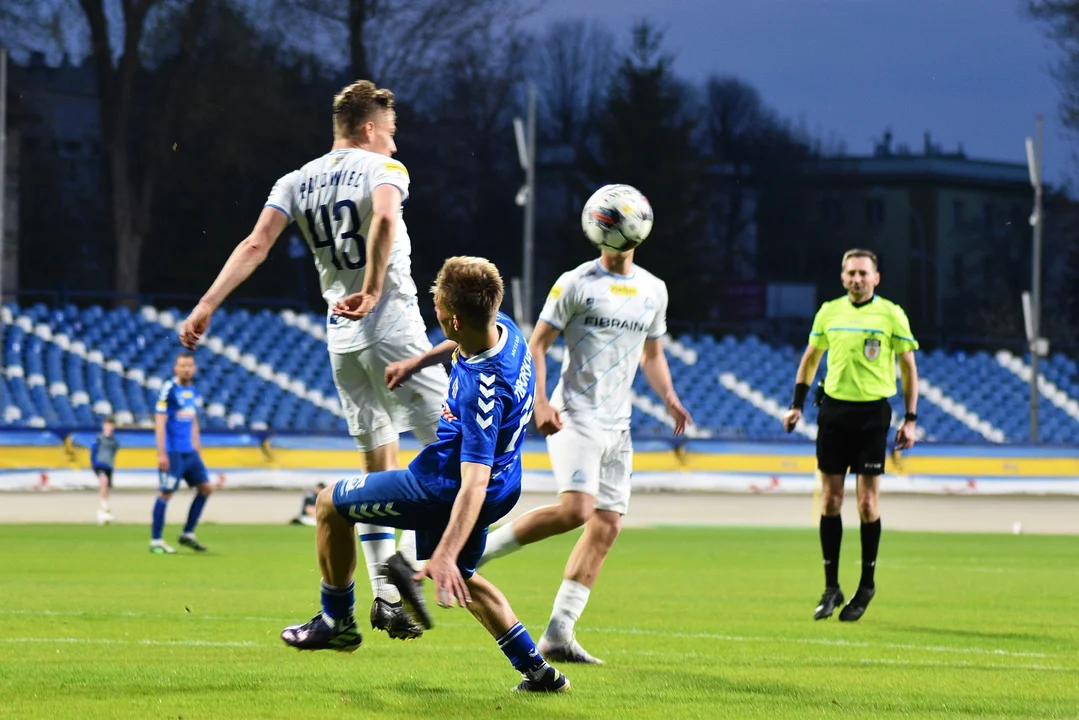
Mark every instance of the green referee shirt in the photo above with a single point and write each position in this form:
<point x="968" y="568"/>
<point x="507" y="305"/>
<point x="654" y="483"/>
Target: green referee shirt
<point x="862" y="342"/>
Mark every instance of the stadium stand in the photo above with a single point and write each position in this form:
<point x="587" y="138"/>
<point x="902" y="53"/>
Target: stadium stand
<point x="66" y="367"/>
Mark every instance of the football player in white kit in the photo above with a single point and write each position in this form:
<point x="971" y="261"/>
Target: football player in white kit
<point x="613" y="315"/>
<point x="348" y="205"/>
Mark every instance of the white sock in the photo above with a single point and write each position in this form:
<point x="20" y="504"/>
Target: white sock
<point x="407" y="546"/>
<point x="105" y="505"/>
<point x="379" y="548"/>
<point x="568" y="605"/>
<point x="501" y="542"/>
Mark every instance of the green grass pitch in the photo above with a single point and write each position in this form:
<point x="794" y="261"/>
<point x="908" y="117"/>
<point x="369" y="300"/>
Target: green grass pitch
<point x="693" y="622"/>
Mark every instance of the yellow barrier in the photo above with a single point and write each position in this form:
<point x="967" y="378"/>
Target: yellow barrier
<point x="57" y="457"/>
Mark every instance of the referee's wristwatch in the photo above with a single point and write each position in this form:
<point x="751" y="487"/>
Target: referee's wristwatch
<point x="910" y="417"/>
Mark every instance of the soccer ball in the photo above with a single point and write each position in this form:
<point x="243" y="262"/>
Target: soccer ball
<point x="617" y="217"/>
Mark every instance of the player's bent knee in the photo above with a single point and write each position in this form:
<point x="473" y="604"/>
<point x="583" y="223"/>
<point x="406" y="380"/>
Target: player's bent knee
<point x="606" y="526"/>
<point x="324" y="506"/>
<point x="206" y="489"/>
<point x="576" y="509"/>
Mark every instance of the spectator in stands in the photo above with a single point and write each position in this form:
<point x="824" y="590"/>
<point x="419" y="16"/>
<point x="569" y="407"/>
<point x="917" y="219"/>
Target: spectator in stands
<point x="102" y="460"/>
<point x="307" y="511"/>
<point x="865" y="335"/>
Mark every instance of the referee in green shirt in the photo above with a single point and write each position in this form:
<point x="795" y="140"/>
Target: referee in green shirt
<point x="865" y="335"/>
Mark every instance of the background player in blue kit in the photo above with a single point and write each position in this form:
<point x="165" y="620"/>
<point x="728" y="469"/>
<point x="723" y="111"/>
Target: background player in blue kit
<point x="454" y="489"/>
<point x="178" y="453"/>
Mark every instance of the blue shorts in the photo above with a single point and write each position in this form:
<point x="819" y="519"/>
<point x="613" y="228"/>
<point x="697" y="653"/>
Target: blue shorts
<point x="396" y="498"/>
<point x="185" y="466"/>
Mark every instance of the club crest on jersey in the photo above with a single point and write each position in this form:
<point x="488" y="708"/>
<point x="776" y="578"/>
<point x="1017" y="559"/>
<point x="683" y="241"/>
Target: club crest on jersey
<point x="447" y="415"/>
<point x="871" y="349"/>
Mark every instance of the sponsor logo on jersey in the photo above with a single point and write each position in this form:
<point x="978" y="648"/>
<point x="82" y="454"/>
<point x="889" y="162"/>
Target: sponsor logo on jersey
<point x="871" y="349"/>
<point x="629" y="290"/>
<point x="185" y="414"/>
<point x="556" y="292"/>
<point x="615" y="324"/>
<point x="577" y="478"/>
<point x="453" y="390"/>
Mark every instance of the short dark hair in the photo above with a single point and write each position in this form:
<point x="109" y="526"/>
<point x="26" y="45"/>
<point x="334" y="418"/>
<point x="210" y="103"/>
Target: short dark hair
<point x="108" y="419"/>
<point x="184" y="354"/>
<point x="858" y="252"/>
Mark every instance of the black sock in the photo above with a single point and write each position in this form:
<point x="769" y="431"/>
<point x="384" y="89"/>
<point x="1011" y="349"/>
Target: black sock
<point x="831" y="537"/>
<point x="870" y="545"/>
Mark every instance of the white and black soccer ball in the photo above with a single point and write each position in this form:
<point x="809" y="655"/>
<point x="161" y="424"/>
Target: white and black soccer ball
<point x="617" y="217"/>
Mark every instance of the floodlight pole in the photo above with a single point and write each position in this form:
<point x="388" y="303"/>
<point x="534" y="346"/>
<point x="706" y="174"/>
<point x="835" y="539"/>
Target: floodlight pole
<point x="3" y="184"/>
<point x="1034" y="163"/>
<point x="525" y="134"/>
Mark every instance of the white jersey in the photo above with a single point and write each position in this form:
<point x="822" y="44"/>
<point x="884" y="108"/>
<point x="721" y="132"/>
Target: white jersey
<point x="605" y="319"/>
<point x="330" y="200"/>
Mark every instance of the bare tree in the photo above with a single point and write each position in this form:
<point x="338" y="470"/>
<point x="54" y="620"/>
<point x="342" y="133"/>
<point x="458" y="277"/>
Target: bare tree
<point x="133" y="174"/>
<point x="134" y="136"/>
<point x="1061" y="19"/>
<point x="574" y="63"/>
<point x="398" y="43"/>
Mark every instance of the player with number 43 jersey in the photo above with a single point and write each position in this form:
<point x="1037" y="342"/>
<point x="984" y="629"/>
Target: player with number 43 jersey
<point x="348" y="204"/>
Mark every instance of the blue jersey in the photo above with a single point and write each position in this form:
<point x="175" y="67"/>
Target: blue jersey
<point x="180" y="404"/>
<point x="484" y="418"/>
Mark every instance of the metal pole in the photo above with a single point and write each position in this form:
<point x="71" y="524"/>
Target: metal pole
<point x="3" y="188"/>
<point x="1036" y="286"/>
<point x="530" y="208"/>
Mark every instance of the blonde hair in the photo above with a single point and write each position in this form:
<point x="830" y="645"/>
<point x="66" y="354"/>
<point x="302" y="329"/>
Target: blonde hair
<point x="471" y="288"/>
<point x="356" y="105"/>
<point x="856" y="253"/>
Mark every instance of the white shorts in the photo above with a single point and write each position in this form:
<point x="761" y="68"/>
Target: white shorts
<point x="593" y="461"/>
<point x="375" y="415"/>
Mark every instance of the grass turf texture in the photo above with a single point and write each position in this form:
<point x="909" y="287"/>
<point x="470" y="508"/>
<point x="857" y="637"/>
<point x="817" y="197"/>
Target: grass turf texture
<point x="692" y="623"/>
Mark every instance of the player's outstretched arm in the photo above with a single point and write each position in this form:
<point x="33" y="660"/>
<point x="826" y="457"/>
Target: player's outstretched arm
<point x="908" y="371"/>
<point x="247" y="256"/>
<point x="385" y="207"/>
<point x="658" y="374"/>
<point x="803" y="378"/>
<point x="398" y="372"/>
<point x="450" y="587"/>
<point x="546" y="416"/>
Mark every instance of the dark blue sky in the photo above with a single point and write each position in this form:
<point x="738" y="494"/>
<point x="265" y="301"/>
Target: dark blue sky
<point x="974" y="72"/>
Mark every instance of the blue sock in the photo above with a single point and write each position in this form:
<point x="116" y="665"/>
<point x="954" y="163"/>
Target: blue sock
<point x="194" y="513"/>
<point x="338" y="603"/>
<point x="159" y="518"/>
<point x="517" y="644"/>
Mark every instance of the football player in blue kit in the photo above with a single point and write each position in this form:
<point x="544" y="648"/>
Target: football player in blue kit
<point x="179" y="449"/>
<point x="456" y="487"/>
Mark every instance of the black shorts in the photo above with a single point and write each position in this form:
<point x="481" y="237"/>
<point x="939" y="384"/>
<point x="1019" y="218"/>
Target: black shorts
<point x="852" y="436"/>
<point x="106" y="471"/>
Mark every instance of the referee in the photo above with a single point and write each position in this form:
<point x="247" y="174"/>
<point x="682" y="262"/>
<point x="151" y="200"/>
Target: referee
<point x="865" y="335"/>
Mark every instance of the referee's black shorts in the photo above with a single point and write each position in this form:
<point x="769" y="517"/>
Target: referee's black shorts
<point x="852" y="436"/>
